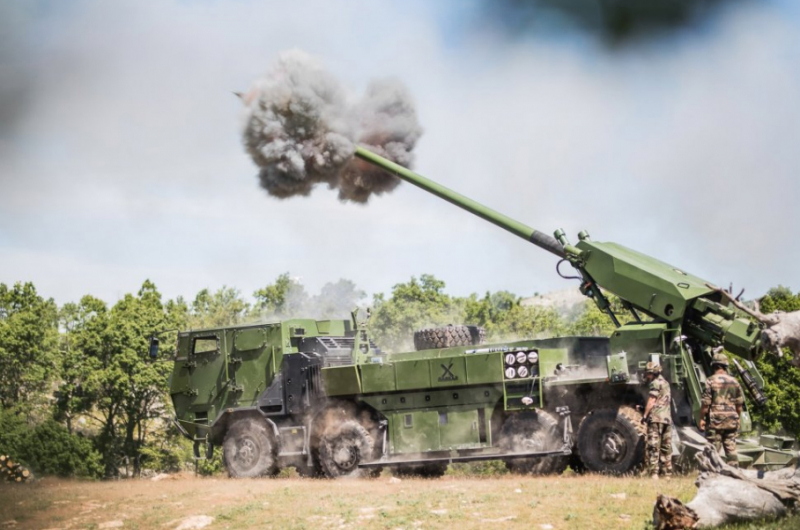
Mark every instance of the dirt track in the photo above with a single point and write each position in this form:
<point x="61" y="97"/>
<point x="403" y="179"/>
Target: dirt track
<point x="450" y="502"/>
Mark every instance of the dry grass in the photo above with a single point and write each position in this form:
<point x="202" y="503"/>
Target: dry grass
<point x="450" y="502"/>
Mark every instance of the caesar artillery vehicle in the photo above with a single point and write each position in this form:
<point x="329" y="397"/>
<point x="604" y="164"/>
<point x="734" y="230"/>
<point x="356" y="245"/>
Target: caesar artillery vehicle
<point x="320" y="396"/>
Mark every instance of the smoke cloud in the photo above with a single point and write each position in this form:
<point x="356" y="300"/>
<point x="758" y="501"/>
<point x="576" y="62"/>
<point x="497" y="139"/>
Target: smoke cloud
<point x="302" y="126"/>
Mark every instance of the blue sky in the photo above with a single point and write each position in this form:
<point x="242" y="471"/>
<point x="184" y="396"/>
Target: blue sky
<point x="120" y="155"/>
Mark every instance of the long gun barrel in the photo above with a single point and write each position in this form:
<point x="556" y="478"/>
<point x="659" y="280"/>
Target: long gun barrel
<point x="540" y="239"/>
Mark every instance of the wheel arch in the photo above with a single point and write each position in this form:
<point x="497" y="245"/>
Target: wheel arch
<point x="225" y="420"/>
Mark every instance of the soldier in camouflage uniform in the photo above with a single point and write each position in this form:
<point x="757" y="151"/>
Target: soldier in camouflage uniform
<point x="722" y="404"/>
<point x="658" y="417"/>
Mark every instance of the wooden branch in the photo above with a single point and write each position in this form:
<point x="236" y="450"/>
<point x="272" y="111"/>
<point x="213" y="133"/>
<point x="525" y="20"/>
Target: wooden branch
<point x="758" y="315"/>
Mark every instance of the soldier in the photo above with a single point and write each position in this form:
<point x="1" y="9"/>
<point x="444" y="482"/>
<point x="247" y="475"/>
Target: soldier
<point x="722" y="404"/>
<point x="658" y="417"/>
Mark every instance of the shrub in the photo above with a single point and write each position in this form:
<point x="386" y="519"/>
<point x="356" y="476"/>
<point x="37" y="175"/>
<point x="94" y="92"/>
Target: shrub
<point x="48" y="448"/>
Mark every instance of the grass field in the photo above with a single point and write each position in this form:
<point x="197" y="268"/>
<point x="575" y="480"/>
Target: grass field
<point x="570" y="501"/>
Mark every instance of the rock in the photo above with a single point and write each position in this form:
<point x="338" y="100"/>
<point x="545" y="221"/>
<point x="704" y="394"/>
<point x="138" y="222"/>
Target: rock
<point x="546" y="526"/>
<point x="194" y="522"/>
<point x="621" y="496"/>
<point x="395" y="480"/>
<point x="110" y="524"/>
<point x="517" y="490"/>
<point x="160" y="476"/>
<point x="439" y="512"/>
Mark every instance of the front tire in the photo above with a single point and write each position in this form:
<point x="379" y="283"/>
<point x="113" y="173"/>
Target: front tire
<point x="249" y="450"/>
<point x="612" y="441"/>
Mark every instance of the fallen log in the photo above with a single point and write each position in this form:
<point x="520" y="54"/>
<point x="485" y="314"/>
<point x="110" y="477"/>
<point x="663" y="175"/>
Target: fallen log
<point x="726" y="494"/>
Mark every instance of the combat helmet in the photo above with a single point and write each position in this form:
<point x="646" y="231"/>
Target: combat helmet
<point x="652" y="368"/>
<point x="720" y="359"/>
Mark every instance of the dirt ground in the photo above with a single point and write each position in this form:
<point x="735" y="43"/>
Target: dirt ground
<point x="591" y="502"/>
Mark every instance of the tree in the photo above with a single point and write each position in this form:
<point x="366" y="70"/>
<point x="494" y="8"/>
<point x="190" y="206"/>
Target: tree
<point x="284" y="299"/>
<point x="782" y="379"/>
<point x="73" y="365"/>
<point x="504" y="317"/>
<point x="28" y="345"/>
<point x="221" y="308"/>
<point x="413" y="305"/>
<point x="122" y="389"/>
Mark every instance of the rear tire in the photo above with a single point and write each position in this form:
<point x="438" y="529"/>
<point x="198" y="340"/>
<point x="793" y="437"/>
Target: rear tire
<point x="612" y="441"/>
<point x="529" y="432"/>
<point x="249" y="450"/>
<point x="343" y="447"/>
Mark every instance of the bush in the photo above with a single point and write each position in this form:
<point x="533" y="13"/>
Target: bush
<point x="212" y="466"/>
<point x="13" y="429"/>
<point x="167" y="452"/>
<point x="48" y="448"/>
<point x="51" y="450"/>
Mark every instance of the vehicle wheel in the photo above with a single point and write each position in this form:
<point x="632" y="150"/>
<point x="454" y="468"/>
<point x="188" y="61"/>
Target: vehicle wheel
<point x="448" y="336"/>
<point x="420" y="470"/>
<point x="529" y="432"/>
<point x="612" y="441"/>
<point x="248" y="450"/>
<point x="345" y="445"/>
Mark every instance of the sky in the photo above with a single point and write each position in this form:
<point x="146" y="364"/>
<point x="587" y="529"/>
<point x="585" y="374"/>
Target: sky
<point x="121" y="156"/>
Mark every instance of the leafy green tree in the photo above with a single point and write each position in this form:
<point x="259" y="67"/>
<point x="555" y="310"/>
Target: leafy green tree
<point x="413" y="305"/>
<point x="285" y="298"/>
<point x="522" y="322"/>
<point x="221" y="308"/>
<point x="72" y="366"/>
<point x="504" y="317"/>
<point x="782" y="379"/>
<point x="124" y="392"/>
<point x="592" y="322"/>
<point x="28" y="345"/>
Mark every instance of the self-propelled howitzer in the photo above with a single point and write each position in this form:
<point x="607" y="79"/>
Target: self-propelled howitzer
<point x="323" y="397"/>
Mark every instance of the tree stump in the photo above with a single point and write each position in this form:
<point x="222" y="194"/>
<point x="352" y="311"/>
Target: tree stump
<point x="727" y="494"/>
